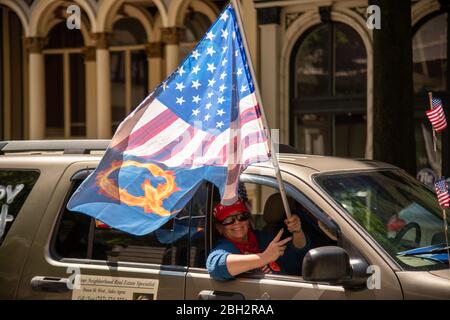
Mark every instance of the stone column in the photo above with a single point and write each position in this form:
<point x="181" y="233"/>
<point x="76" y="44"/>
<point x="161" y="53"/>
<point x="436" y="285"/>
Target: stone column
<point x="91" y="92"/>
<point x="172" y="37"/>
<point x="104" y="122"/>
<point x="269" y="22"/>
<point x="155" y="60"/>
<point x="37" y="108"/>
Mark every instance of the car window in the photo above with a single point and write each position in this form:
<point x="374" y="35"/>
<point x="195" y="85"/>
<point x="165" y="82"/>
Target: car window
<point x="199" y="210"/>
<point x="165" y="246"/>
<point x="395" y="209"/>
<point x="82" y="237"/>
<point x="15" y="187"/>
<point x="268" y="218"/>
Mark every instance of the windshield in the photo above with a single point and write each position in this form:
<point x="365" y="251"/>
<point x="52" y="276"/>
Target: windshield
<point x="400" y="213"/>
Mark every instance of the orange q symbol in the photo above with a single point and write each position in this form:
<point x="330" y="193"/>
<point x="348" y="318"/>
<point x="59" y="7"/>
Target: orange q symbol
<point x="152" y="200"/>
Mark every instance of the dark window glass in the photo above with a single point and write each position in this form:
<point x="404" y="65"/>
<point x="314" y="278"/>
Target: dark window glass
<point x="167" y="245"/>
<point x="196" y="24"/>
<point x="71" y="240"/>
<point x="54" y="95"/>
<point x="395" y="209"/>
<point x="16" y="84"/>
<point x="199" y="211"/>
<point x="350" y="131"/>
<point x="78" y="96"/>
<point x="427" y="161"/>
<point x="139" y="77"/>
<point x="312" y="70"/>
<point x="1" y="75"/>
<point x="351" y="62"/>
<point x="117" y="88"/>
<point x="11" y="44"/>
<point x="15" y="186"/>
<point x="129" y="67"/>
<point x="330" y="80"/>
<point x="312" y="133"/>
<point x="62" y="37"/>
<point x="128" y="31"/>
<point x="331" y="61"/>
<point x="430" y="55"/>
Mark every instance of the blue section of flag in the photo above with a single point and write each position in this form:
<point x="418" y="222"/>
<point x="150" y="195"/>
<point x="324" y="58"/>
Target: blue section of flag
<point x="441" y="185"/>
<point x="179" y="230"/>
<point x="436" y="102"/>
<point x="434" y="252"/>
<point x="89" y="198"/>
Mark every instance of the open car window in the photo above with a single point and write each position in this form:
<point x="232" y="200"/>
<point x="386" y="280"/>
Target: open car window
<point x="267" y="218"/>
<point x="179" y="242"/>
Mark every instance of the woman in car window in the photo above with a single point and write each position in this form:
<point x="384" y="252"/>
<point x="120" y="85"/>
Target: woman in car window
<point x="243" y="249"/>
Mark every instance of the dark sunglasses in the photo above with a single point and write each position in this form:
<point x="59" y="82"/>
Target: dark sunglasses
<point x="239" y="217"/>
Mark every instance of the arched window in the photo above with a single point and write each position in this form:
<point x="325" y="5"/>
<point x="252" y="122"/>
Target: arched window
<point x="65" y="94"/>
<point x="129" y="68"/>
<point x="430" y="55"/>
<point x="196" y="24"/>
<point x="128" y="31"/>
<point x="11" y="75"/>
<point x="431" y="74"/>
<point x="328" y="91"/>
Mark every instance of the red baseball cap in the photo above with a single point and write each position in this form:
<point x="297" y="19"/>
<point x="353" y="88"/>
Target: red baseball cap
<point x="221" y="212"/>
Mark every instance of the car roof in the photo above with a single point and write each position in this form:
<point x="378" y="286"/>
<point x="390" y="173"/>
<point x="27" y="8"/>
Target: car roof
<point x="331" y="164"/>
<point x="70" y="151"/>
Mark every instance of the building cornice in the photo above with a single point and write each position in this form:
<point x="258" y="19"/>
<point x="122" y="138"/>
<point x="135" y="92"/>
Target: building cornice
<point x="35" y="44"/>
<point x="269" y="15"/>
<point x="172" y="35"/>
<point x="320" y="3"/>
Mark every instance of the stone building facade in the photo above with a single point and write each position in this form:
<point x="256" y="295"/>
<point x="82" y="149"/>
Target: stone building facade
<point x="313" y="59"/>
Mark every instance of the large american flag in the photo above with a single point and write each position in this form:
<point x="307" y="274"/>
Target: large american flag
<point x="206" y="112"/>
<point x="436" y="115"/>
<point x="203" y="123"/>
<point x="442" y="193"/>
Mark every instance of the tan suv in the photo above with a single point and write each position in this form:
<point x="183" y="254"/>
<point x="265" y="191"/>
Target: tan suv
<point x="374" y="231"/>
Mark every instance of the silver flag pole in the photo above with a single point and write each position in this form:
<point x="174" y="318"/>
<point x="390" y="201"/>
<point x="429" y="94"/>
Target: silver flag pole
<point x="237" y="8"/>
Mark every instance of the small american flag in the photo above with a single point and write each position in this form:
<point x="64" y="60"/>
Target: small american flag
<point x="436" y="115"/>
<point x="442" y="193"/>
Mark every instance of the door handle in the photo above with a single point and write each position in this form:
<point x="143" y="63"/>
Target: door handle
<point x="50" y="284"/>
<point x="219" y="295"/>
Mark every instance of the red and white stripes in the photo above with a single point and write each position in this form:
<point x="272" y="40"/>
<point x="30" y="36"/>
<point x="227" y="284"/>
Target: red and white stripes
<point x="162" y="136"/>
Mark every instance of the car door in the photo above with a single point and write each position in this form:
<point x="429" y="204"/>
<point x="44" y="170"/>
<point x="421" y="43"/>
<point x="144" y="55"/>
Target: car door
<point x="199" y="285"/>
<point x="76" y="257"/>
<point x="18" y="188"/>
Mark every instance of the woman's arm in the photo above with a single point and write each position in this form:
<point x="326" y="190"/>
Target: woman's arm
<point x="239" y="263"/>
<point x="298" y="239"/>
<point x="223" y="263"/>
<point x="295" y="227"/>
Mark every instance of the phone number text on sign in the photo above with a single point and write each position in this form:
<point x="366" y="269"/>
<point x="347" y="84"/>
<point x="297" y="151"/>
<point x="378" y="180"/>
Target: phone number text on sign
<point x="115" y="288"/>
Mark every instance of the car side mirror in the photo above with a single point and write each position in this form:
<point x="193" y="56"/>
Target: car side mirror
<point x="327" y="264"/>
